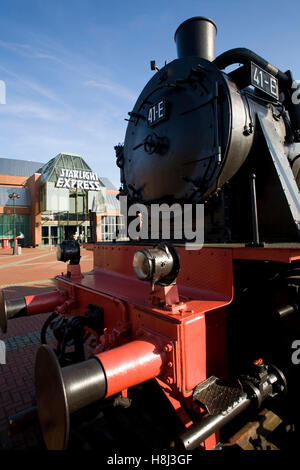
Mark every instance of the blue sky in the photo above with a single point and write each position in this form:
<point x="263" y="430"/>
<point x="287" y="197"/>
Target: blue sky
<point x="74" y="68"/>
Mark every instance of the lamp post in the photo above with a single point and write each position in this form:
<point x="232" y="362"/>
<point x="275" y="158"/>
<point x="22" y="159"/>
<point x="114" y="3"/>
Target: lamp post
<point x="14" y="196"/>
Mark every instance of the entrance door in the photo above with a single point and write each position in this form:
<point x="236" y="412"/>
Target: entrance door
<point x="69" y="232"/>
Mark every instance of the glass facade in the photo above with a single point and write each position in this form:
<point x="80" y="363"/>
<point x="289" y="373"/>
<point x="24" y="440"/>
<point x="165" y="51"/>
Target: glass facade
<point x="51" y="171"/>
<point x="21" y="225"/>
<point x="63" y="197"/>
<point x="68" y="197"/>
<point x="55" y="234"/>
<point x="65" y="209"/>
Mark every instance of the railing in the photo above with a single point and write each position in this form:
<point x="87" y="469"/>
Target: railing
<point x="57" y="216"/>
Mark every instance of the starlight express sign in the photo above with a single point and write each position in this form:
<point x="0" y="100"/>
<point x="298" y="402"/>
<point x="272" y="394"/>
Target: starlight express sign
<point x="78" y="179"/>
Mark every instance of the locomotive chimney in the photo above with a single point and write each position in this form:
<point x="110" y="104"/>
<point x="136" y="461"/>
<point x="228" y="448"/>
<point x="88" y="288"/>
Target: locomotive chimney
<point x="196" y="37"/>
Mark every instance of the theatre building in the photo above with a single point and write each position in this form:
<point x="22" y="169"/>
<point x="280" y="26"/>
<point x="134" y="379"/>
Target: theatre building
<point x="50" y="202"/>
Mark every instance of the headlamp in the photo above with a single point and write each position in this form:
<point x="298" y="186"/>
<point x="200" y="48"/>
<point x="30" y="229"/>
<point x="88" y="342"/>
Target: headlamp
<point x="68" y="251"/>
<point x="159" y="265"/>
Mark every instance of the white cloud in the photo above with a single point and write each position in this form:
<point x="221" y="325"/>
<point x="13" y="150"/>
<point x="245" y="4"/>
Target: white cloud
<point x="60" y="104"/>
<point x="26" y="50"/>
<point x="27" y="83"/>
<point x="113" y="88"/>
<point x="28" y="109"/>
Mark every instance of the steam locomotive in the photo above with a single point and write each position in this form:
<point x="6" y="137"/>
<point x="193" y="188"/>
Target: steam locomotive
<point x="193" y="348"/>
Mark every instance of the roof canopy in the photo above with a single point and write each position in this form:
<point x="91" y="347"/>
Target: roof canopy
<point x="14" y="167"/>
<point x="52" y="169"/>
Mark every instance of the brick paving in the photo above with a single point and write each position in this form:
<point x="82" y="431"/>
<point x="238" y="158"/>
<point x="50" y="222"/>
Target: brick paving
<point x="35" y="264"/>
<point x="31" y="273"/>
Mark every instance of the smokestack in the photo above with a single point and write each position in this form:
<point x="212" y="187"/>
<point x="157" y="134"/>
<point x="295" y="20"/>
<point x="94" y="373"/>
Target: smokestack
<point x="196" y="37"/>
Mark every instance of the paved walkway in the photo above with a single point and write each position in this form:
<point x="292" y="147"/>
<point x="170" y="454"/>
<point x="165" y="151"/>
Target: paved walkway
<point x="34" y="266"/>
<point x="32" y="272"/>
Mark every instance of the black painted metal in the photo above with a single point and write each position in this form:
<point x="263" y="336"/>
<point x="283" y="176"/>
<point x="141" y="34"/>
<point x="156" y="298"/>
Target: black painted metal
<point x="16" y="307"/>
<point x="10" y="308"/>
<point x="194" y="145"/>
<point x="200" y="431"/>
<point x="84" y="383"/>
<point x="68" y="251"/>
<point x="196" y="37"/>
<point x="45" y="326"/>
<point x="61" y="391"/>
<point x="214" y="130"/>
<point x="21" y="421"/>
<point x="292" y="103"/>
<point x="286" y="311"/>
<point x="264" y="381"/>
<point x="216" y="396"/>
<point x="241" y="55"/>
<point x="255" y="231"/>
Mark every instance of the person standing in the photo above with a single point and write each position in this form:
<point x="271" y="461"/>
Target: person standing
<point x="20" y="238"/>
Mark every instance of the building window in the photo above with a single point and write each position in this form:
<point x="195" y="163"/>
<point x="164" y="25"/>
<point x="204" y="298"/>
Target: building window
<point x="52" y="235"/>
<point x="45" y="235"/>
<point x="7" y="227"/>
<point x="110" y="227"/>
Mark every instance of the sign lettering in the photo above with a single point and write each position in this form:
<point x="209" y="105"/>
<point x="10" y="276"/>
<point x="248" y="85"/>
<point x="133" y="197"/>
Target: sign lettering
<point x="78" y="179"/>
<point x="264" y="81"/>
<point x="157" y="113"/>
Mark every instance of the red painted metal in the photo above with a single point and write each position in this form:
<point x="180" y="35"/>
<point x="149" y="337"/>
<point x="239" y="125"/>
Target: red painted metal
<point x="205" y="273"/>
<point x="175" y="334"/>
<point x="74" y="272"/>
<point x="5" y="242"/>
<point x="131" y="364"/>
<point x="131" y="310"/>
<point x="177" y="404"/>
<point x="43" y="303"/>
<point x="168" y="296"/>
